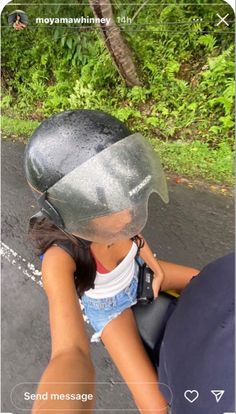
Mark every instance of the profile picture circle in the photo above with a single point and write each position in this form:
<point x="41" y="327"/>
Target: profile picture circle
<point x="18" y="19"/>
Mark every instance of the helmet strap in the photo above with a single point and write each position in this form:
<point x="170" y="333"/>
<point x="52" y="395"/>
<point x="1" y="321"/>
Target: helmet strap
<point x="50" y="211"/>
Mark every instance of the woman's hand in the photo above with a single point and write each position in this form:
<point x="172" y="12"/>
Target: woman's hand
<point x="147" y="255"/>
<point x="158" y="278"/>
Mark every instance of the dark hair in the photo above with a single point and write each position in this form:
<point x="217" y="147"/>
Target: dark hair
<point x="43" y="233"/>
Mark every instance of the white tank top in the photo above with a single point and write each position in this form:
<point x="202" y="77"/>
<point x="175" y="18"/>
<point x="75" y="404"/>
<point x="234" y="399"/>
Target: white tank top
<point x="111" y="283"/>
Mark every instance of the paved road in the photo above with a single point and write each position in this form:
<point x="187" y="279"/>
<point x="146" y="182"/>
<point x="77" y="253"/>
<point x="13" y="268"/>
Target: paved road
<point x="195" y="228"/>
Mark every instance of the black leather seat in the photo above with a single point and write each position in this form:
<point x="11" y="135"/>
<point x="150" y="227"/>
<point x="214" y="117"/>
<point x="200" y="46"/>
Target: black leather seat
<point x="151" y="321"/>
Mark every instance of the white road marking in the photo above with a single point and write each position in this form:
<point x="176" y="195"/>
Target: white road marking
<point x="16" y="259"/>
<point x="25" y="267"/>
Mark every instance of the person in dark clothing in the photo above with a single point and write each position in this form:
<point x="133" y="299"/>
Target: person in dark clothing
<point x="197" y="352"/>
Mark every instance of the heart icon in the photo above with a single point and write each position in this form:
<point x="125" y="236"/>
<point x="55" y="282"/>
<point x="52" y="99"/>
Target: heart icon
<point x="191" y="395"/>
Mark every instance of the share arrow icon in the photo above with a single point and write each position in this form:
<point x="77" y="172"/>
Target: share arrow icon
<point x="218" y="394"/>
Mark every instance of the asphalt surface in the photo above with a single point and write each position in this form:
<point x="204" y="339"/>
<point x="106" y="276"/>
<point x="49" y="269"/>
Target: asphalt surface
<point x="194" y="229"/>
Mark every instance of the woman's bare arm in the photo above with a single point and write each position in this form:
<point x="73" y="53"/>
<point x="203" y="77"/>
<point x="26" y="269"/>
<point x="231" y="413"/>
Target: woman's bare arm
<point x="70" y="368"/>
<point x="174" y="276"/>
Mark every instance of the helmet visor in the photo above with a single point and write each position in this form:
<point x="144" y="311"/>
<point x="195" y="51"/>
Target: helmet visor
<point x="106" y="197"/>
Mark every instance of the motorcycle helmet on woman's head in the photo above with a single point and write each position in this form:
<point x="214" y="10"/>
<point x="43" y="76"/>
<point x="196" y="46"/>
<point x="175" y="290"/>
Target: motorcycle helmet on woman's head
<point x="91" y="176"/>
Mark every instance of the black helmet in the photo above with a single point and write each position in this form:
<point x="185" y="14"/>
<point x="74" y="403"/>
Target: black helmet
<point x="66" y="140"/>
<point x="85" y="165"/>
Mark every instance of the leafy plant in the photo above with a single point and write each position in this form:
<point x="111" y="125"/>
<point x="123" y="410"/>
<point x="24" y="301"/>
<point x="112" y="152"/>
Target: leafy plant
<point x="185" y="103"/>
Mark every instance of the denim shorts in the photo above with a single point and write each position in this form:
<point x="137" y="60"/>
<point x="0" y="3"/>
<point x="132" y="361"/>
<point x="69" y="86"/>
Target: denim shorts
<point x="99" y="312"/>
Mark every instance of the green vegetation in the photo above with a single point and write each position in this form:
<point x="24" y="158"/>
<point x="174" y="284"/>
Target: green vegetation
<point x="184" y="158"/>
<point x="17" y="127"/>
<point x="185" y="105"/>
<point x="188" y="158"/>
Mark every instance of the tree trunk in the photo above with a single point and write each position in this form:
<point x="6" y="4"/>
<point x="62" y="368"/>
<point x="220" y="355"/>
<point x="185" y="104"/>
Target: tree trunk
<point x="115" y="43"/>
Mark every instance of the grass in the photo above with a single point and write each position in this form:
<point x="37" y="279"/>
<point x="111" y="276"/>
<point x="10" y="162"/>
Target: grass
<point x="193" y="160"/>
<point x="17" y="128"/>
<point x="197" y="160"/>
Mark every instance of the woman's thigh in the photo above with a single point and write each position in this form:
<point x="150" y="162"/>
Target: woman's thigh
<point x="123" y="342"/>
<point x="176" y="276"/>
